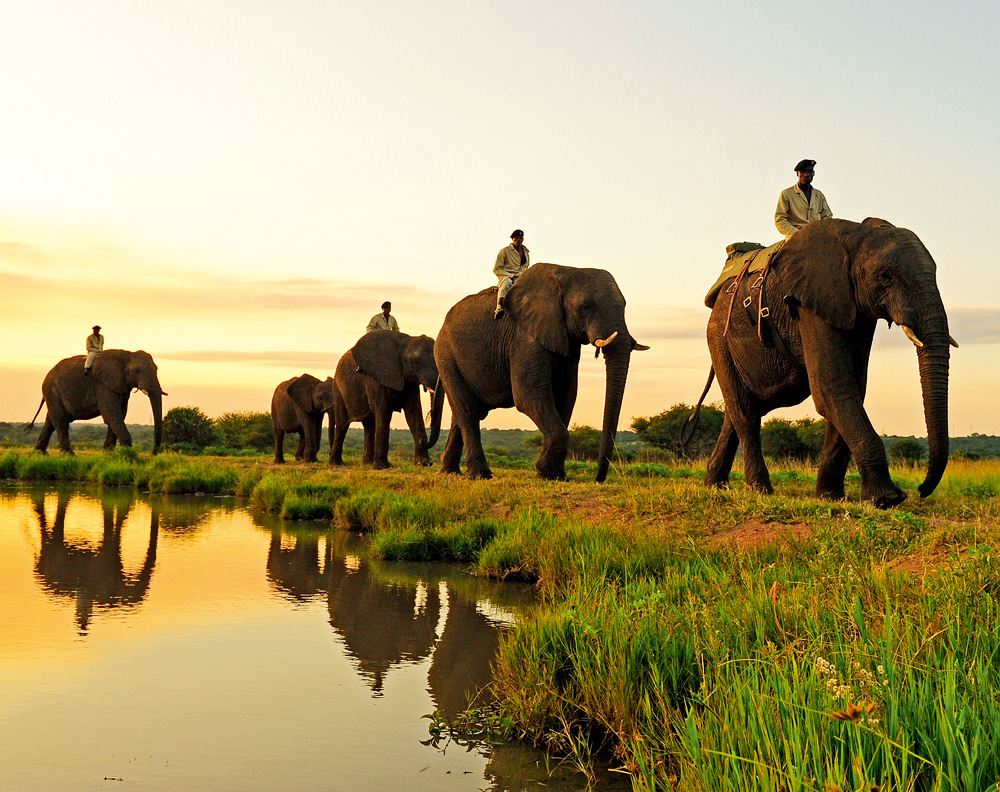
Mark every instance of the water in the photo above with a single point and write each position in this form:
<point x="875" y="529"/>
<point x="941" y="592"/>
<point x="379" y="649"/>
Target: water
<point x="181" y="643"/>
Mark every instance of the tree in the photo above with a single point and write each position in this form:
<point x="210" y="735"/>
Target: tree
<point x="779" y="439"/>
<point x="664" y="430"/>
<point x="188" y="426"/>
<point x="245" y="430"/>
<point x="584" y="442"/>
<point x="907" y="449"/>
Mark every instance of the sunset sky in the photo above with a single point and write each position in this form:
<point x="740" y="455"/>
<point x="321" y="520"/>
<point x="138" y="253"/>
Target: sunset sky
<point x="235" y="187"/>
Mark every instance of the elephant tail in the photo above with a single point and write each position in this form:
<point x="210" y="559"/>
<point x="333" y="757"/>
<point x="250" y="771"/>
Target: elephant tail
<point x="691" y="424"/>
<point x="27" y="426"/>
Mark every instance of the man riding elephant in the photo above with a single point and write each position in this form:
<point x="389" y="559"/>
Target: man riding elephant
<point x="801" y="203"/>
<point x="512" y="261"/>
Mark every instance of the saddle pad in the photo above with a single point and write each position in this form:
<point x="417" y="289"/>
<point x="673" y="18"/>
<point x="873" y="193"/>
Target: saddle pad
<point x="758" y="258"/>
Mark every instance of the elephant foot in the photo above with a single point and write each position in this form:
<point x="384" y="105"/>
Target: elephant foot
<point x="763" y="487"/>
<point x="887" y="497"/>
<point x="551" y="472"/>
<point x="452" y="470"/>
<point x="336" y="461"/>
<point x="830" y="493"/>
<point x="422" y="462"/>
<point x="479" y="472"/>
<point x="381" y="464"/>
<point x="717" y="482"/>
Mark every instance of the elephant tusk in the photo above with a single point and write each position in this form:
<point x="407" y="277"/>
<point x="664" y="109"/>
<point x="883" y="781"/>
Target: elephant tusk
<point x="912" y="336"/>
<point x="600" y="343"/>
<point x="953" y="342"/>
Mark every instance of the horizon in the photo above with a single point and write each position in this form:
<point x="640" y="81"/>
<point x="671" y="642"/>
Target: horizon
<point x="260" y="178"/>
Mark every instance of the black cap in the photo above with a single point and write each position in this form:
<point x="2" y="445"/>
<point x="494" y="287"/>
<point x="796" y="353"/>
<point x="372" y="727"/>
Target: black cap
<point x="805" y="165"/>
<point x="517" y="232"/>
<point x="386" y="304"/>
<point x="96" y="327"/>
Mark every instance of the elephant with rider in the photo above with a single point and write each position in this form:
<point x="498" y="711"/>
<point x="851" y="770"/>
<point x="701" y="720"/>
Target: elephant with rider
<point x="806" y="327"/>
<point x="529" y="359"/>
<point x="72" y="396"/>
<point x="382" y="374"/>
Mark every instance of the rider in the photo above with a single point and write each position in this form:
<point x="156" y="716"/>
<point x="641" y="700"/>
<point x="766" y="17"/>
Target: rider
<point x="95" y="345"/>
<point x="511" y="263"/>
<point x="801" y="203"/>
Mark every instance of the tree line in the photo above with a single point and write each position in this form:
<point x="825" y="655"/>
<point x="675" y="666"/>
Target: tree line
<point x="189" y="430"/>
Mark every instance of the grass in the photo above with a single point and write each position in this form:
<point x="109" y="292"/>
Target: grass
<point x="706" y="639"/>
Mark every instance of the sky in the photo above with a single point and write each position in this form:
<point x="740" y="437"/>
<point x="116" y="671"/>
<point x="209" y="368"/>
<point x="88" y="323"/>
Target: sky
<point x="235" y="187"/>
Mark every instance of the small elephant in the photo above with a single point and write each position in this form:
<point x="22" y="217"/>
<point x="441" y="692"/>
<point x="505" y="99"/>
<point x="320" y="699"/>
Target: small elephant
<point x="72" y="396"/>
<point x="827" y="287"/>
<point x="530" y="359"/>
<point x="298" y="406"/>
<point x="380" y="375"/>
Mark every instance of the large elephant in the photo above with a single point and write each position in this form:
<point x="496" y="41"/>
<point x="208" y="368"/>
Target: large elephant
<point x="298" y="405"/>
<point x="824" y="292"/>
<point x="529" y="359"/>
<point x="381" y="374"/>
<point x="71" y="396"/>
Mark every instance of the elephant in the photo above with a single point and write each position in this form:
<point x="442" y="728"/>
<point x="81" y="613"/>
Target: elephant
<point x="71" y="396"/>
<point x="381" y="374"/>
<point x="93" y="577"/>
<point x="298" y="406"/>
<point x="529" y="359"/>
<point x="826" y="288"/>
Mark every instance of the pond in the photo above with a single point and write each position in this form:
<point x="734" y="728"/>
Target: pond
<point x="190" y="643"/>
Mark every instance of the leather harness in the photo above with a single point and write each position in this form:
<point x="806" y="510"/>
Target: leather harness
<point x="766" y="331"/>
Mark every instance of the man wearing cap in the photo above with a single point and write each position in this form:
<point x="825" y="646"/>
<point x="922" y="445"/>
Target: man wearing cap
<point x="801" y="203"/>
<point x="95" y="345"/>
<point x="384" y="320"/>
<point x="512" y="261"/>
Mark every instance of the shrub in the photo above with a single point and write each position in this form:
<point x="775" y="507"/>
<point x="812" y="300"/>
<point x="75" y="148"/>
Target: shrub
<point x="584" y="442"/>
<point x="908" y="450"/>
<point x="187" y="425"/>
<point x="664" y="430"/>
<point x="245" y="430"/>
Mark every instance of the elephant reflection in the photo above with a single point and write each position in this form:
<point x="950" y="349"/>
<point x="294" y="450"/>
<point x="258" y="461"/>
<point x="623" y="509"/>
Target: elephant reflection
<point x="296" y="572"/>
<point x="382" y="623"/>
<point x="93" y="577"/>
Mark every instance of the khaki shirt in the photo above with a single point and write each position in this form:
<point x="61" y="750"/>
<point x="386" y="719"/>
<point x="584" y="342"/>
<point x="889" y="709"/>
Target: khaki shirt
<point x="794" y="211"/>
<point x="95" y="343"/>
<point x="509" y="262"/>
<point x="379" y="322"/>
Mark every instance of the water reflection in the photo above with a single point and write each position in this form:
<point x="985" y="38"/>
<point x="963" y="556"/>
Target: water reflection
<point x="91" y="576"/>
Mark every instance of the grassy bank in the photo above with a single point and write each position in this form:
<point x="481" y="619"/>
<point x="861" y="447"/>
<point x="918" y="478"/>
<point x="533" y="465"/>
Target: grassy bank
<point x="708" y="639"/>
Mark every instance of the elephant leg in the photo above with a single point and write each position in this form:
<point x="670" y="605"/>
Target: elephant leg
<point x="534" y="395"/>
<point x="413" y="412"/>
<point x="110" y="440"/>
<point x="300" y="451"/>
<point x="451" y="457"/>
<point x="279" y="444"/>
<point x="369" y="427"/>
<point x="339" y="423"/>
<point x="744" y="420"/>
<point x="312" y="430"/>
<point x="382" y="421"/>
<point x="720" y="463"/>
<point x="113" y="412"/>
<point x="833" y="462"/>
<point x="45" y="435"/>
<point x="836" y="375"/>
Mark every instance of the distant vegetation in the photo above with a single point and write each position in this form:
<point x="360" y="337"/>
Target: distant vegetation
<point x="653" y="438"/>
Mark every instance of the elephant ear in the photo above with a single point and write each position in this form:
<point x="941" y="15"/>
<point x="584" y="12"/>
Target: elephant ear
<point x="110" y="372"/>
<point x="536" y="303"/>
<point x="815" y="271"/>
<point x="301" y="391"/>
<point x="378" y="354"/>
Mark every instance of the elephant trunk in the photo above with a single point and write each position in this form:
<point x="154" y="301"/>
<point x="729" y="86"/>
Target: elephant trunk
<point x="156" y="402"/>
<point x="437" y="408"/>
<point x="616" y="361"/>
<point x="932" y="360"/>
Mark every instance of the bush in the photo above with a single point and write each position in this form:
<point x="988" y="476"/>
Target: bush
<point x="908" y="450"/>
<point x="800" y="440"/>
<point x="245" y="430"/>
<point x="664" y="430"/>
<point x="188" y="425"/>
<point x="584" y="442"/>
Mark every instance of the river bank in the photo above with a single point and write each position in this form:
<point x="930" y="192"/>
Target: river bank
<point x="709" y="639"/>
